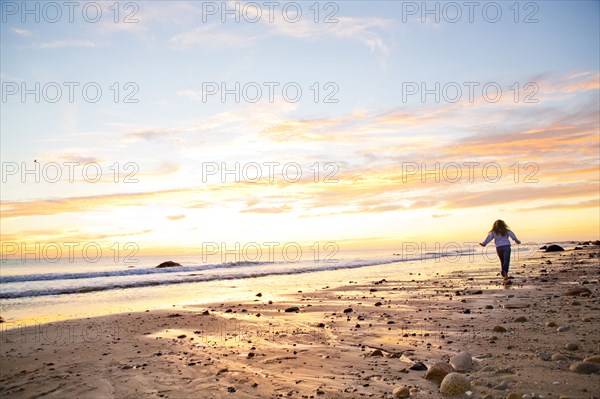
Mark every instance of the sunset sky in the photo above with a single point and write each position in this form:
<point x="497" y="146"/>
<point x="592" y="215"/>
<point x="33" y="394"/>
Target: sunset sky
<point x="370" y="129"/>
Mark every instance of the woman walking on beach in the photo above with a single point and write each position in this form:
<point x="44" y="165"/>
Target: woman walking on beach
<point x="500" y="234"/>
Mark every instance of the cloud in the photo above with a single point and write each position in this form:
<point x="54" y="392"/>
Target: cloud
<point x="190" y="94"/>
<point x="209" y="36"/>
<point x="21" y="32"/>
<point x="595" y="203"/>
<point x="67" y="43"/>
<point x="40" y="207"/>
<point x="367" y="31"/>
<point x="276" y="209"/>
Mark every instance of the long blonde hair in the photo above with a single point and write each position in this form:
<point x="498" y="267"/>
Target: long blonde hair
<point x="500" y="227"/>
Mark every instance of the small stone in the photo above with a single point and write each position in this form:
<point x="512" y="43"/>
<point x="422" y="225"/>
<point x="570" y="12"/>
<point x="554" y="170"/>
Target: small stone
<point x="514" y="395"/>
<point x="231" y="389"/>
<point x="557" y="357"/>
<point x="401" y="392"/>
<point x="438" y="371"/>
<point x="550" y="324"/>
<point x="489" y="307"/>
<point x="503" y="386"/>
<point x="572" y="346"/>
<point x="454" y="384"/>
<point x="545" y="356"/>
<point x="563" y="328"/>
<point x="293" y="309"/>
<point x="499" y="329"/>
<point x="319" y="391"/>
<point x="593" y="359"/>
<point x="488" y="369"/>
<point x="462" y="361"/>
<point x="418" y="366"/>
<point x="577" y="291"/>
<point x="376" y="352"/>
<point x="348" y="310"/>
<point x="521" y="319"/>
<point x="259" y="294"/>
<point x="585" y="367"/>
<point x="378" y="303"/>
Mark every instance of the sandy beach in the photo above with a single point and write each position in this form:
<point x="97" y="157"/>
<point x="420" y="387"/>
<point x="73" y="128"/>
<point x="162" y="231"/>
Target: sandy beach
<point x="368" y="338"/>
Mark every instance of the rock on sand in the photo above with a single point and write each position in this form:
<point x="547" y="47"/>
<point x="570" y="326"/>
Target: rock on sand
<point x="438" y="371"/>
<point x="462" y="361"/>
<point x="401" y="392"/>
<point x="585" y="368"/>
<point x="454" y="384"/>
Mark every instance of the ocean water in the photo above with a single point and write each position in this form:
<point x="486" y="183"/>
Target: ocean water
<point x="37" y="290"/>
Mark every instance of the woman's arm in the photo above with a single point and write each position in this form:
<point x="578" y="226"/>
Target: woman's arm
<point x="513" y="236"/>
<point x="488" y="239"/>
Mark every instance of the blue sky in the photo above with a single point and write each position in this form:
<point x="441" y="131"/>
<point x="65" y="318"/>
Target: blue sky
<point x="368" y="55"/>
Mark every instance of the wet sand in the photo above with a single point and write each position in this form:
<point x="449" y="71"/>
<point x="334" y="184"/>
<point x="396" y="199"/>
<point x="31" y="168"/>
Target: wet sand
<point x="363" y="339"/>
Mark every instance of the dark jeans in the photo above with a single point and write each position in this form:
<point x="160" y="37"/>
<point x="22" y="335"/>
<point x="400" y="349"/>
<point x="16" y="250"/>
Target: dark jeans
<point x="504" y="255"/>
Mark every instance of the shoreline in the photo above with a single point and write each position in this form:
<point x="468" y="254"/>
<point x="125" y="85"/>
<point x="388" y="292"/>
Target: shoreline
<point x="254" y="348"/>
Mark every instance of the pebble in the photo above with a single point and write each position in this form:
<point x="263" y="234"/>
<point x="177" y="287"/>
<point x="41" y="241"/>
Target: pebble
<point x="462" y="361"/>
<point x="585" y="367"/>
<point x="438" y="371"/>
<point x="454" y="384"/>
<point x="293" y="309"/>
<point x="545" y="356"/>
<point x="503" y="386"/>
<point x="557" y="357"/>
<point x="376" y="352"/>
<point x="521" y="319"/>
<point x="489" y="307"/>
<point x="499" y="329"/>
<point x="577" y="291"/>
<point x="572" y="346"/>
<point x="401" y="392"/>
<point x="514" y="395"/>
<point x="593" y="359"/>
<point x="418" y="366"/>
<point x="563" y="328"/>
<point x="551" y="324"/>
<point x="348" y="310"/>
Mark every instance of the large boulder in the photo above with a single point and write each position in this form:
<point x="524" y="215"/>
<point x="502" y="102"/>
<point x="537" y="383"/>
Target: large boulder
<point x="168" y="263"/>
<point x="554" y="248"/>
<point x="438" y="371"/>
<point x="462" y="361"/>
<point x="454" y="384"/>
